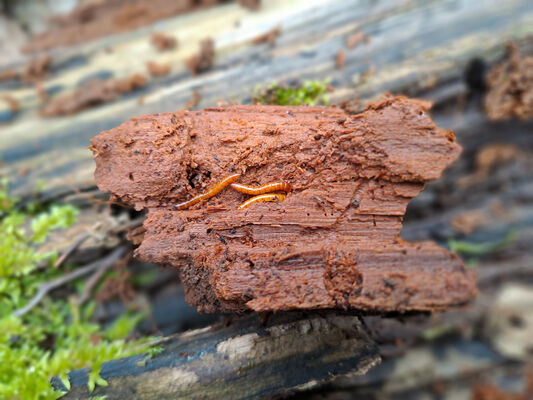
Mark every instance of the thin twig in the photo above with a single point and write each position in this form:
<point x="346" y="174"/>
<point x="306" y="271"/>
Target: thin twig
<point x="74" y="246"/>
<point x="46" y="287"/>
<point x="91" y="282"/>
<point x="66" y="254"/>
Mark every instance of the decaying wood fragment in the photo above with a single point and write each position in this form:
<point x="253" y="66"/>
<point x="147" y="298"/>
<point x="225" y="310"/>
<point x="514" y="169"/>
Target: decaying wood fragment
<point x="163" y="42"/>
<point x="333" y="243"/>
<point x="203" y="60"/>
<point x="293" y="352"/>
<point x="95" y="91"/>
<point x="96" y="19"/>
<point x="511" y="87"/>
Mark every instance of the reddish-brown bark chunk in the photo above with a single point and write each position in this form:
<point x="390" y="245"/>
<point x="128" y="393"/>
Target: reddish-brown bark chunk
<point x="333" y="243"/>
<point x="510" y="84"/>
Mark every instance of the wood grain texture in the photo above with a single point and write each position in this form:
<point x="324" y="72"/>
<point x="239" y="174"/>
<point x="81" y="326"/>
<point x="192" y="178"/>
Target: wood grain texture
<point x="413" y="46"/>
<point x="333" y="243"/>
<point x="242" y="360"/>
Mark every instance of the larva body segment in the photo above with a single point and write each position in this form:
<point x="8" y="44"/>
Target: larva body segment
<point x="257" y="190"/>
<point x="262" y="198"/>
<point x="212" y="191"/>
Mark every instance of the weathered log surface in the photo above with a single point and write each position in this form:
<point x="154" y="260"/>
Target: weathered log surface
<point x="419" y="47"/>
<point x="333" y="243"/>
<point x="292" y="352"/>
<point x="99" y="19"/>
<point x="413" y="46"/>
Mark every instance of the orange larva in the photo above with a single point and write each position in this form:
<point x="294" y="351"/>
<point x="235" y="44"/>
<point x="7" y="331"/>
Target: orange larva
<point x="262" y="198"/>
<point x="216" y="188"/>
<point x="268" y="188"/>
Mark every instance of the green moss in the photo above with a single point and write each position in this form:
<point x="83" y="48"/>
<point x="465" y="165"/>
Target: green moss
<point x="56" y="336"/>
<point x="308" y="93"/>
<point x="480" y="249"/>
<point x="434" y="333"/>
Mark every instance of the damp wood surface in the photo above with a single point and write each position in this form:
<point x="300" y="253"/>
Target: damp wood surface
<point x="412" y="47"/>
<point x="414" y="51"/>
<point x="242" y="359"/>
<point x="332" y="243"/>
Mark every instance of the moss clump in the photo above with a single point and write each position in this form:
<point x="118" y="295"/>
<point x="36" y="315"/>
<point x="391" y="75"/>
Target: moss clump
<point x="481" y="249"/>
<point x="307" y="93"/>
<point x="56" y="336"/>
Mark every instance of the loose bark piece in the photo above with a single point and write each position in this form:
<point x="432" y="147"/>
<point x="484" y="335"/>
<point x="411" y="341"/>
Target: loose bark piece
<point x="36" y="69"/>
<point x="158" y="69"/>
<point x="193" y="102"/>
<point x="163" y="42"/>
<point x="511" y="87"/>
<point x="12" y="103"/>
<point x="251" y="4"/>
<point x="203" y="60"/>
<point x="269" y="37"/>
<point x="333" y="243"/>
<point x="91" y="93"/>
<point x="340" y="60"/>
<point x="9" y="74"/>
<point x="354" y="39"/>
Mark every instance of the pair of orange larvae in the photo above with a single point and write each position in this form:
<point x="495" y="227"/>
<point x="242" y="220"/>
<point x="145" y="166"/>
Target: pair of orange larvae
<point x="260" y="193"/>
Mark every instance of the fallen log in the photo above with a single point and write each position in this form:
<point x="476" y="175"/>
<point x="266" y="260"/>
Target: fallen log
<point x="242" y="360"/>
<point x="333" y="243"/>
<point x="311" y="32"/>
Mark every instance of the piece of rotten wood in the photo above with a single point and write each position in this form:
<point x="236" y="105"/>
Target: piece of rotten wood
<point x="243" y="360"/>
<point x="511" y="87"/>
<point x="333" y="243"/>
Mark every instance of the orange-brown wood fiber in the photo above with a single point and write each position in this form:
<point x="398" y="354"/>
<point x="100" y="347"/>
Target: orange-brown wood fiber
<point x="332" y="243"/>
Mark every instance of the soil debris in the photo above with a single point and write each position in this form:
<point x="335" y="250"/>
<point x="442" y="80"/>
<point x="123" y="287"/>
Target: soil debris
<point x="469" y="222"/>
<point x="251" y="4"/>
<point x="41" y="92"/>
<point x="158" y="69"/>
<point x="129" y="84"/>
<point x="36" y="69"/>
<point x="340" y="60"/>
<point x="488" y="391"/>
<point x="489" y="158"/>
<point x="163" y="42"/>
<point x="203" y="60"/>
<point x="11" y="102"/>
<point x="491" y="392"/>
<point x="356" y="38"/>
<point x="269" y="37"/>
<point x="351" y="106"/>
<point x="9" y="74"/>
<point x="196" y="98"/>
